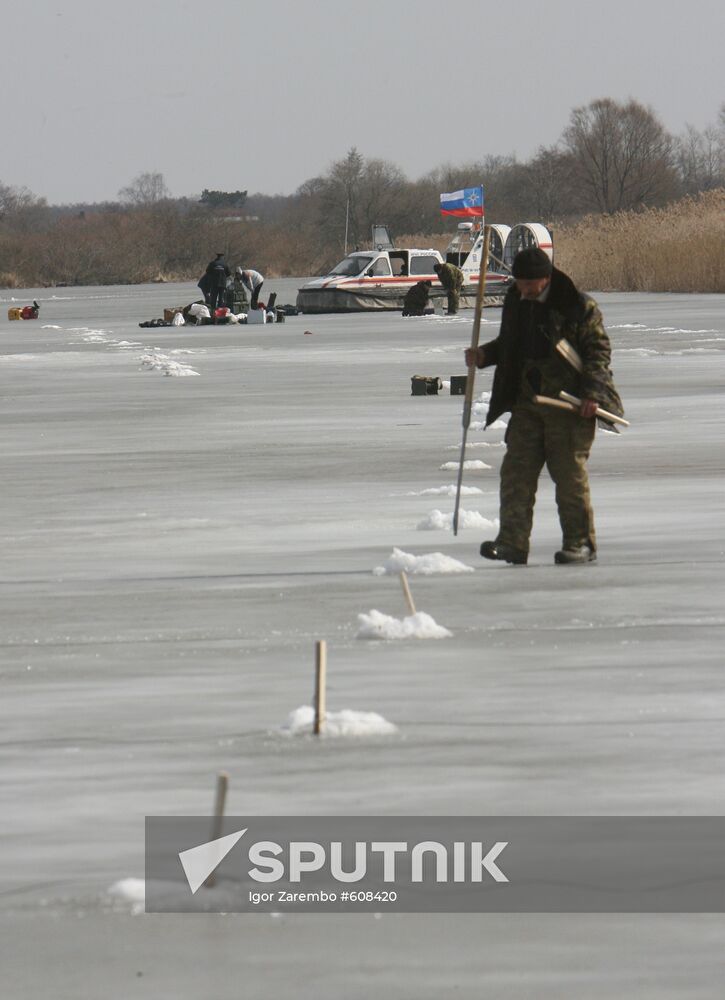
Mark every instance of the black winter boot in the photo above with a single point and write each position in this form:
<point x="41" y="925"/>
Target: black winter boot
<point x="581" y="554"/>
<point x="507" y="553"/>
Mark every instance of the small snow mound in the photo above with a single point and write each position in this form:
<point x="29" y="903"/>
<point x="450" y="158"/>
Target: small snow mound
<point x="163" y="363"/>
<point x="427" y="565"/>
<point x="477" y="444"/>
<point x="344" y="723"/>
<point x="50" y="327"/>
<point x="447" y="491"/>
<point x="470" y="463"/>
<point x="418" y="626"/>
<point x="130" y="890"/>
<point x="438" y="521"/>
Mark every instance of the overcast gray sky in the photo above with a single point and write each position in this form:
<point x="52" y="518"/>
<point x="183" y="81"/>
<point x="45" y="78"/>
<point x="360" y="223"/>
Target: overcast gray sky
<point x="261" y="96"/>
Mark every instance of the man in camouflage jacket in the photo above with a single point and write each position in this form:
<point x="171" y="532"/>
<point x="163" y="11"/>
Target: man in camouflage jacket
<point x="544" y="318"/>
<point x="451" y="278"/>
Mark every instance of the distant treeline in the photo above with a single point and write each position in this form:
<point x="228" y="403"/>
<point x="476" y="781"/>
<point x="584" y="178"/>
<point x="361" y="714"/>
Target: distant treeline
<point x="615" y="184"/>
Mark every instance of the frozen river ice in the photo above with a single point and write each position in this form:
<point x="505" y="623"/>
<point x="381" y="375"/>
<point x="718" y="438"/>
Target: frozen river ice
<point x="173" y="547"/>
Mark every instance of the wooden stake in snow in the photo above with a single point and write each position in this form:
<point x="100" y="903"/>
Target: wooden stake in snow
<point x="222" y="784"/>
<point x="320" y="685"/>
<point x="406" y="591"/>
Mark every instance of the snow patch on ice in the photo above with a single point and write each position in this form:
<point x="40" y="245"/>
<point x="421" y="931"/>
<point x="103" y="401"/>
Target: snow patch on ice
<point x="477" y="444"/>
<point x="471" y="463"/>
<point x="426" y="565"/>
<point x="446" y="491"/>
<point x="480" y="407"/>
<point x="480" y="425"/>
<point x="690" y="350"/>
<point x="131" y="893"/>
<point x="50" y="327"/>
<point x="130" y="890"/>
<point x="166" y="365"/>
<point x="344" y="723"/>
<point x="91" y="336"/>
<point x="438" y="521"/>
<point x="376" y="625"/>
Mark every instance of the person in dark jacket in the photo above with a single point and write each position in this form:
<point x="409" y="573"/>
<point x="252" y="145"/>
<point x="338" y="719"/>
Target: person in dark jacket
<point x="552" y="338"/>
<point x="417" y="298"/>
<point x="214" y="287"/>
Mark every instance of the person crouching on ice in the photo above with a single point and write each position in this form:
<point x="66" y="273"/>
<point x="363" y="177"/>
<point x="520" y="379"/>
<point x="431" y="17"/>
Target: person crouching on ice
<point x="544" y="317"/>
<point x="417" y="299"/>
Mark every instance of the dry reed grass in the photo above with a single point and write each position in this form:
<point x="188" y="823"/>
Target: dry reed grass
<point x="680" y="248"/>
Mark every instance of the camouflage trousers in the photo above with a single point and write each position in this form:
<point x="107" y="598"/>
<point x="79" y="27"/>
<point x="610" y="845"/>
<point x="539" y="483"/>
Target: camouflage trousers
<point x="454" y="300"/>
<point x="539" y="435"/>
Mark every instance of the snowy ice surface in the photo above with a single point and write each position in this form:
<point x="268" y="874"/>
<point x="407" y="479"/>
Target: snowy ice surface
<point x="158" y="362"/>
<point x="476" y="444"/>
<point x="376" y="625"/>
<point x="446" y="491"/>
<point x="469" y="463"/>
<point x="425" y="565"/>
<point x="346" y="722"/>
<point x="437" y="520"/>
<point x="128" y="895"/>
<point x="173" y="547"/>
<point x="130" y="890"/>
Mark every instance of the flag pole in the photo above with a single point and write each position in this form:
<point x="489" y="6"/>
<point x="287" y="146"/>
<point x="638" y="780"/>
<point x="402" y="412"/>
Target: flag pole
<point x="468" y="403"/>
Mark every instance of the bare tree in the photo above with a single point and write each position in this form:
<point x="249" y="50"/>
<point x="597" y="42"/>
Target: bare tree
<point x="546" y="182"/>
<point x="22" y="213"/>
<point x="340" y="198"/>
<point x="622" y="153"/>
<point x="355" y="194"/>
<point x="700" y="158"/>
<point x="144" y="190"/>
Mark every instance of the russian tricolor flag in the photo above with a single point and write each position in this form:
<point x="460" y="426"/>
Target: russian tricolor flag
<point x="466" y="204"/>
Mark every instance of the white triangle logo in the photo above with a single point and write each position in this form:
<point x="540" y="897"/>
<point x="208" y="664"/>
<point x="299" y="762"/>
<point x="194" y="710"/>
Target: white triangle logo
<point x="199" y="862"/>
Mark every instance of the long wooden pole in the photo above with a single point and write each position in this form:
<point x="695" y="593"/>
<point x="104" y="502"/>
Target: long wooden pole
<point x="475" y="334"/>
<point x="320" y="686"/>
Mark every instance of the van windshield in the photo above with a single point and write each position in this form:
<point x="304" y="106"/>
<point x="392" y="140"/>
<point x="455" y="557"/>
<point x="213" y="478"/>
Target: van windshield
<point x="351" y="266"/>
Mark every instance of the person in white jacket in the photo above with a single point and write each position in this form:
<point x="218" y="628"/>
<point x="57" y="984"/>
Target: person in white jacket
<point x="252" y="281"/>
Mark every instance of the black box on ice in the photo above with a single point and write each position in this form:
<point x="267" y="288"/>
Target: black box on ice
<point x="458" y="385"/>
